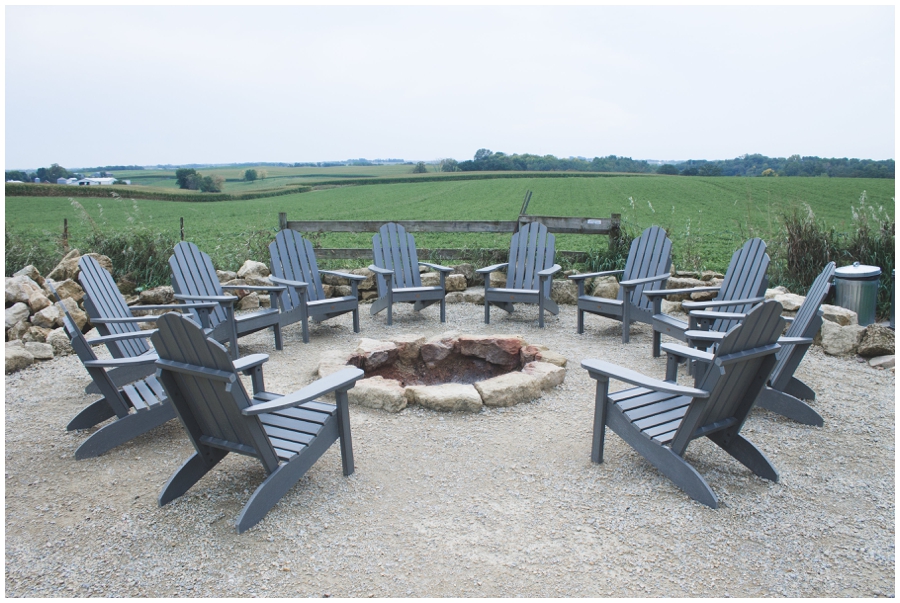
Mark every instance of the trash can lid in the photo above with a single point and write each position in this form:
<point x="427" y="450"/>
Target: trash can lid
<point x="857" y="271"/>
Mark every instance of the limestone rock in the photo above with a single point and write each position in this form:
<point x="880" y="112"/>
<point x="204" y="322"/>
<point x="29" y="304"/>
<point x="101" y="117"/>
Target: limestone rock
<point x="16" y="314"/>
<point x="32" y="273"/>
<point x="446" y="397"/>
<point x="455" y="282"/>
<point x="508" y="389"/>
<point x="551" y="357"/>
<point x="430" y="279"/>
<point x="498" y="279"/>
<point x="683" y="283"/>
<point x="126" y="285"/>
<point x="606" y="287"/>
<point x="14" y="291"/>
<point x="36" y="334"/>
<point x="408" y="347"/>
<point x="332" y="361"/>
<point x="69" y="288"/>
<point x="249" y="302"/>
<point x="37" y="299"/>
<point x="341" y="290"/>
<point x="547" y="375"/>
<point x="474" y="296"/>
<point x="670" y="307"/>
<point x="368" y="284"/>
<point x="876" y="341"/>
<point x="367" y="296"/>
<point x="68" y="266"/>
<point x="790" y="302"/>
<point x="158" y="296"/>
<point x="503" y="351"/>
<point x="838" y="341"/>
<point x="334" y="280"/>
<point x="225" y="275"/>
<point x="775" y="292"/>
<point x="839" y="315"/>
<point x="77" y="314"/>
<point x="436" y="349"/>
<point x="50" y="317"/>
<point x="18" y="330"/>
<point x="564" y="292"/>
<point x="58" y="339"/>
<point x="710" y="275"/>
<point x="456" y="297"/>
<point x="17" y="358"/>
<point x="704" y="295"/>
<point x="328" y="290"/>
<point x="884" y="362"/>
<point x="252" y="268"/>
<point x="377" y="392"/>
<point x="371" y="354"/>
<point x="39" y="351"/>
<point x="467" y="271"/>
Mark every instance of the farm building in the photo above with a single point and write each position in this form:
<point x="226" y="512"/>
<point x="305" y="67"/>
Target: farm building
<point x="66" y="180"/>
<point x="95" y="181"/>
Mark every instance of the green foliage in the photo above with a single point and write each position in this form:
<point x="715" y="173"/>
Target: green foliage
<point x="37" y="249"/>
<point x="667" y="169"/>
<point x="486" y="160"/>
<point x="187" y="178"/>
<point x="420" y="168"/>
<point x="449" y="165"/>
<point x="17" y="175"/>
<point x="795" y="165"/>
<point x="250" y="175"/>
<point x="211" y="184"/>
<point x="612" y="257"/>
<point x="53" y="173"/>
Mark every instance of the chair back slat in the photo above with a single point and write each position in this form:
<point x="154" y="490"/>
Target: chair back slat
<point x="104" y="300"/>
<point x="650" y="255"/>
<point x="293" y="258"/>
<point x="745" y="278"/>
<point x="395" y="249"/>
<point x="208" y="405"/>
<point x="193" y="274"/>
<point x="742" y="362"/>
<point x="531" y="250"/>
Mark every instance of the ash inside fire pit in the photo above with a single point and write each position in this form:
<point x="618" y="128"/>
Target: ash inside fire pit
<point x="449" y="372"/>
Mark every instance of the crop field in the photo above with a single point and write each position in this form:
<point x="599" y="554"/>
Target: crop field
<point x="707" y="218"/>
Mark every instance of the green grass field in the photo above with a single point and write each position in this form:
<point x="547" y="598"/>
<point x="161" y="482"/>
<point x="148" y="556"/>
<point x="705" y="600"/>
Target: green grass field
<point x="707" y="218"/>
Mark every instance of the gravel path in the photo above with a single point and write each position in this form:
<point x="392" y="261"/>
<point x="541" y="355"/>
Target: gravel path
<point x="502" y="503"/>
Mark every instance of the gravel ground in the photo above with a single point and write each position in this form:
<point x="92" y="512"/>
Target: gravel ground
<point x="501" y="503"/>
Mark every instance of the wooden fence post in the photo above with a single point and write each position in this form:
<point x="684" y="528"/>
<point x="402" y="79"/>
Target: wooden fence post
<point x="66" y="234"/>
<point x="615" y="231"/>
<point x="182" y="229"/>
<point x="282" y="220"/>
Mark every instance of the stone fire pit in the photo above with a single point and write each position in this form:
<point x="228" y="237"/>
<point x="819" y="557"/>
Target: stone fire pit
<point x="448" y="372"/>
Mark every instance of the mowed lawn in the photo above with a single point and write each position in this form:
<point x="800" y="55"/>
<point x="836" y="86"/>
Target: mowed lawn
<point x="707" y="218"/>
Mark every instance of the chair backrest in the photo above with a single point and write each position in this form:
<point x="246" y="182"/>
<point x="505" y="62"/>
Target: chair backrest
<point x="742" y="363"/>
<point x="193" y="273"/>
<point x="293" y="259"/>
<point x="806" y="323"/>
<point x="104" y="300"/>
<point x="745" y="278"/>
<point x="199" y="378"/>
<point x="531" y="250"/>
<point x="394" y="249"/>
<point x="650" y="255"/>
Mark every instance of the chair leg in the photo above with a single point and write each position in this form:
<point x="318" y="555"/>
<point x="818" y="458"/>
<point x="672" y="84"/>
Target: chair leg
<point x="657" y="336"/>
<point x="600" y="402"/>
<point x="799" y="390"/>
<point x="788" y="406"/>
<point x="487" y="312"/>
<point x="189" y="474"/>
<point x="626" y="322"/>
<point x="580" y="315"/>
<point x="343" y="425"/>
<point x="276" y="329"/>
<point x="541" y="311"/>
<point x="93" y="414"/>
<point x="356" y="320"/>
<point x="443" y="309"/>
<point x="124" y="430"/>
<point x="746" y="453"/>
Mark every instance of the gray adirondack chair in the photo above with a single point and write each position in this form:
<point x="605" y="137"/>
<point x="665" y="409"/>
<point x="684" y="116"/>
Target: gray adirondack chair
<point x="396" y="271"/>
<point x="649" y="261"/>
<point x="287" y="433"/>
<point x="137" y="407"/>
<point x="660" y="418"/>
<point x="111" y="315"/>
<point x="744" y="286"/>
<point x="784" y="393"/>
<point x="294" y="266"/>
<point x="529" y="273"/>
<point x="194" y="279"/>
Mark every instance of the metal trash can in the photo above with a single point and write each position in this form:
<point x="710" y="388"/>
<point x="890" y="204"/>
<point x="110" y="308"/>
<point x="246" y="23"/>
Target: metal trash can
<point x="856" y="288"/>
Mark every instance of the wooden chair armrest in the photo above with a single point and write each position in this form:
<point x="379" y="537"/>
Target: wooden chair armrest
<point x="220" y="299"/>
<point x="255" y="287"/>
<point x="353" y="277"/>
<point x="698" y="305"/>
<point x="381" y="271"/>
<point x="647" y="279"/>
<point x="436" y="267"/>
<point x="492" y="268"/>
<point x="342" y="380"/>
<point x="578" y="277"/>
<point x="549" y="271"/>
<point x="288" y="283"/>
<point x="247" y="363"/>
<point x="795" y="340"/>
<point x="712" y="315"/>
<point x="124" y="319"/>
<point x="663" y="292"/>
<point x="705" y="336"/>
<point x="153" y="308"/>
<point x="598" y="368"/>
<point x="104" y="339"/>
<point x="682" y="351"/>
<point x="114" y="362"/>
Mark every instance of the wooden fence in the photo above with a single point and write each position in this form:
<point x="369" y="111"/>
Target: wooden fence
<point x="556" y="224"/>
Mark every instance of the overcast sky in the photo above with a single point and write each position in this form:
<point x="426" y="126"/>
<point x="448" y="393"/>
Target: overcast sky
<point x="90" y="86"/>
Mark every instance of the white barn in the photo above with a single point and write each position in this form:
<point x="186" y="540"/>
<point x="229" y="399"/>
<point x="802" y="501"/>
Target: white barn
<point x="95" y="181"/>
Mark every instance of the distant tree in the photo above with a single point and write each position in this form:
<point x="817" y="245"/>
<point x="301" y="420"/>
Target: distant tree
<point x="690" y="172"/>
<point x="709" y="169"/>
<point x="250" y="175"/>
<point x="17" y="175"/>
<point x="52" y="173"/>
<point x="482" y="154"/>
<point x="420" y="168"/>
<point x="667" y="169"/>
<point x="188" y="178"/>
<point x="262" y="174"/>
<point x="768" y="173"/>
<point x="449" y="165"/>
<point x="211" y="184"/>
